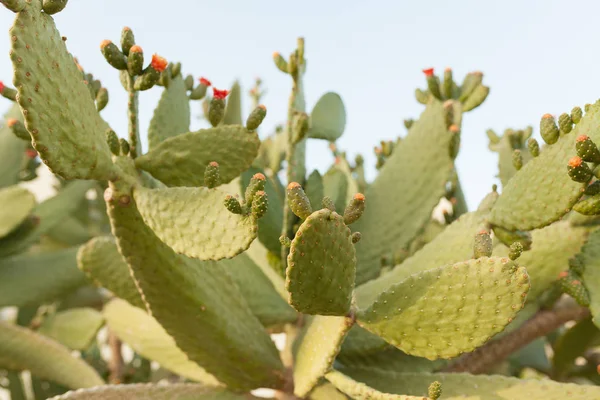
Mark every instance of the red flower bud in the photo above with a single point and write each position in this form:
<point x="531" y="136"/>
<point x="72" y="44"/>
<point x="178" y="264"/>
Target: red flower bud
<point x="220" y="94"/>
<point x="581" y="138"/>
<point x="575" y="162"/>
<point x="11" y="122"/>
<point x="2" y="86"/>
<point x="205" y="82"/>
<point x="136" y="49"/>
<point x="31" y="153"/>
<point x="158" y="63"/>
<point x="428" y="72"/>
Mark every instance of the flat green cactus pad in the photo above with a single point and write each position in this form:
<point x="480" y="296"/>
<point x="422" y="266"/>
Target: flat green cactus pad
<point x="361" y="341"/>
<point x="101" y="261"/>
<point x="203" y="302"/>
<point x="146" y="337"/>
<point x="339" y="186"/>
<point x="542" y="191"/>
<point x="172" y="114"/>
<point x="443" y="312"/>
<point x="32" y="279"/>
<point x="590" y="256"/>
<point x="181" y="160"/>
<point x="11" y="150"/>
<point x="321" y="265"/>
<point x="70" y="232"/>
<point x="326" y="391"/>
<point x="259" y="254"/>
<point x="75" y="328"/>
<point x="194" y="221"/>
<point x="328" y="118"/>
<point x="22" y="349"/>
<point x="398" y="209"/>
<point x="233" y="108"/>
<point x="48" y="214"/>
<point x="317" y="351"/>
<point x="360" y="391"/>
<point x="16" y="203"/>
<point x="472" y="387"/>
<point x="67" y="131"/>
<point x="154" y="391"/>
<point x="390" y="359"/>
<point x="315" y="190"/>
<point x="454" y="244"/>
<point x="570" y="344"/>
<point x="551" y="249"/>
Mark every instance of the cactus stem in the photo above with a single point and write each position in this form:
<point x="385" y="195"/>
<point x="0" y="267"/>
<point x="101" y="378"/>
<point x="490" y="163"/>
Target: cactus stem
<point x="132" y="116"/>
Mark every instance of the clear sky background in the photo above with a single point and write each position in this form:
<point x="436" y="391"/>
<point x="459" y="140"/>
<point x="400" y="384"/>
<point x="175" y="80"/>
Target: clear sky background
<point x="538" y="56"/>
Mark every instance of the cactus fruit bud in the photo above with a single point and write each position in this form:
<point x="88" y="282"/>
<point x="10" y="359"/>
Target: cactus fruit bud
<point x="578" y="170"/>
<point x="515" y="250"/>
<point x="101" y="99"/>
<point x="189" y="82"/>
<point x="280" y="62"/>
<point x="256" y="117"/>
<point x="434" y="391"/>
<point x="300" y="125"/>
<point x="176" y="69"/>
<point x="113" y="142"/>
<point x="135" y="61"/>
<point x="124" y="146"/>
<point x="216" y="109"/>
<point x="260" y="204"/>
<point x="576" y="265"/>
<point x="587" y="149"/>
<point x="298" y="201"/>
<point x="589" y="206"/>
<point x="471" y="81"/>
<point x="233" y="205"/>
<point x="51" y="7"/>
<point x="533" y="146"/>
<point x="408" y="123"/>
<point x="483" y="245"/>
<point x="355" y="209"/>
<point x="127" y="40"/>
<point x="455" y="141"/>
<point x="159" y="63"/>
<point x="285" y="241"/>
<point x="356" y="236"/>
<point x="492" y="136"/>
<point x="432" y="83"/>
<point x="8" y="93"/>
<point x="328" y="203"/>
<point x="571" y="284"/>
<point x="548" y="129"/>
<point x="422" y="96"/>
<point x="448" y="83"/>
<point x="565" y="123"/>
<point x="586" y="107"/>
<point x="200" y="91"/>
<point x="30" y="153"/>
<point x="113" y="55"/>
<point x="509" y="237"/>
<point x="257" y="183"/>
<point x="212" y="178"/>
<point x="592" y="189"/>
<point x="18" y="128"/>
<point x="448" y="112"/>
<point x="517" y="159"/>
<point x="152" y="74"/>
<point x="476" y="98"/>
<point x="14" y="5"/>
<point x="576" y="114"/>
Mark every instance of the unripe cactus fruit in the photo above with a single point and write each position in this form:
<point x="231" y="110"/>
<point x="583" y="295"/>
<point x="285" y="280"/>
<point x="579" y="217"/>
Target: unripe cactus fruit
<point x="18" y="128"/>
<point x="200" y="91"/>
<point x="113" y="55"/>
<point x="135" y="60"/>
<point x="300" y="126"/>
<point x="355" y="209"/>
<point x="515" y="250"/>
<point x="212" y="177"/>
<point x="7" y="92"/>
<point x="592" y="189"/>
<point x="113" y="142"/>
<point x="589" y="206"/>
<point x="101" y="99"/>
<point x="565" y="123"/>
<point x="576" y="114"/>
<point x="257" y="183"/>
<point x="233" y="205"/>
<point x="216" y="109"/>
<point x="356" y="236"/>
<point x="327" y="202"/>
<point x="298" y="201"/>
<point x="533" y="147"/>
<point x="51" y="7"/>
<point x="280" y="62"/>
<point x="432" y="83"/>
<point x="435" y="390"/>
<point x="455" y="141"/>
<point x="548" y="129"/>
<point x="256" y="117"/>
<point x="285" y="241"/>
<point x="517" y="159"/>
<point x="587" y="149"/>
<point x="151" y="74"/>
<point x="127" y="40"/>
<point x="448" y="84"/>
<point x="260" y="204"/>
<point x="124" y="146"/>
<point x="571" y="284"/>
<point x="578" y="170"/>
<point x="483" y="245"/>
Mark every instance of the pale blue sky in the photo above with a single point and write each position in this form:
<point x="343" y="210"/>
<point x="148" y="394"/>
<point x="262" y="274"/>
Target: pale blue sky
<point x="537" y="56"/>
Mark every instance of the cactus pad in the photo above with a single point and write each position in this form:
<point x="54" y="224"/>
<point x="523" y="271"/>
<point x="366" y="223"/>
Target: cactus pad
<point x="360" y="391"/>
<point x="205" y="229"/>
<point x="172" y="114"/>
<point x="16" y="203"/>
<point x="23" y="349"/>
<point x="317" y="351"/>
<point x="233" y="108"/>
<point x="75" y="328"/>
<point x="321" y="265"/>
<point x="443" y="312"/>
<point x="590" y="256"/>
<point x="146" y="337"/>
<point x="11" y="150"/>
<point x="328" y="118"/>
<point x="361" y="341"/>
<point x="181" y="160"/>
<point x="66" y="128"/>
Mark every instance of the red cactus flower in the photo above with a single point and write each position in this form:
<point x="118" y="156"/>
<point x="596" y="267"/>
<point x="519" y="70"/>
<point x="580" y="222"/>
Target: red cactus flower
<point x="158" y="63"/>
<point x="220" y="94"/>
<point x="136" y="49"/>
<point x="11" y="122"/>
<point x="359" y="197"/>
<point x="2" y="87"/>
<point x="575" y="162"/>
<point x="428" y="72"/>
<point x="205" y="82"/>
<point x="30" y="153"/>
<point x="581" y="138"/>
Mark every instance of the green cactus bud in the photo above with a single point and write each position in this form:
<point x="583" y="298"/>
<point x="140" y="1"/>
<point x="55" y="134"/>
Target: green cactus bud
<point x="578" y="170"/>
<point x="285" y="241"/>
<point x="51" y="7"/>
<point x="592" y="189"/>
<point x="176" y="70"/>
<point x="533" y="147"/>
<point x="8" y="93"/>
<point x="189" y="82"/>
<point x="528" y="132"/>
<point x="233" y="205"/>
<point x="471" y="81"/>
<point x="492" y="136"/>
<point x="14" y="5"/>
<point x="589" y="206"/>
<point x="576" y="114"/>
<point x="455" y="141"/>
<point x="280" y="62"/>
<point x="151" y="75"/>
<point x="355" y="209"/>
<point x="216" y="109"/>
<point x="298" y="201"/>
<point x="515" y="250"/>
<point x="212" y="177"/>
<point x="113" y="55"/>
<point x="448" y="112"/>
<point x="476" y="98"/>
<point x="432" y="83"/>
<point x="113" y="142"/>
<point x="548" y="129"/>
<point x="260" y="204"/>
<point x="565" y="123"/>
<point x="517" y="159"/>
<point x="101" y="99"/>
<point x="199" y="91"/>
<point x="422" y="96"/>
<point x="434" y="391"/>
<point x="124" y="146"/>
<point x="408" y="123"/>
<point x="356" y="236"/>
<point x="577" y="265"/>
<point x="135" y="60"/>
<point x="293" y="65"/>
<point x="359" y="160"/>
<point x="483" y="245"/>
<point x="257" y="183"/>
<point x="587" y="149"/>
<point x="448" y="84"/>
<point x="571" y="284"/>
<point x="586" y="108"/>
<point x="256" y="117"/>
<point x="300" y="125"/>
<point x="18" y="128"/>
<point x="328" y="203"/>
<point x="127" y="40"/>
<point x="509" y="237"/>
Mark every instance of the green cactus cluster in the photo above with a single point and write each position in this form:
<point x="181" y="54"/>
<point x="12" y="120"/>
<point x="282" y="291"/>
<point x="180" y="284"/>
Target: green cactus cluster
<point x="164" y="274"/>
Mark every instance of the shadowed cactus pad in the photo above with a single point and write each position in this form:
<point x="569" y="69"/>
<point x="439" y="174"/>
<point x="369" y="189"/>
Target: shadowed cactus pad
<point x="15" y="205"/>
<point x="321" y="265"/>
<point x="443" y="312"/>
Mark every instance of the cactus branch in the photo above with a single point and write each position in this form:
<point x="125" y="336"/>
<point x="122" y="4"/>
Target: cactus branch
<point x="132" y="114"/>
<point x="116" y="365"/>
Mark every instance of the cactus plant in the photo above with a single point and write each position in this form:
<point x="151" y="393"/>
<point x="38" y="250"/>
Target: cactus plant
<point x="193" y="253"/>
